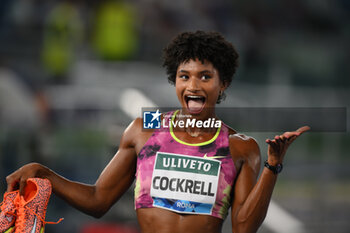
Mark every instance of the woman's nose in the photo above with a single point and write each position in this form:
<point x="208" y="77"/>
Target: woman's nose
<point x="193" y="84"/>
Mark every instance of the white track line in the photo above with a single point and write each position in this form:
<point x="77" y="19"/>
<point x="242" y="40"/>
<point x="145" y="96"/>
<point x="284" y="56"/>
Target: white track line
<point x="278" y="220"/>
<point x="132" y="101"/>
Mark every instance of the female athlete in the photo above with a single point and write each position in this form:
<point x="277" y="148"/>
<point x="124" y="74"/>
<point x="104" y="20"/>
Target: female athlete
<point x="187" y="178"/>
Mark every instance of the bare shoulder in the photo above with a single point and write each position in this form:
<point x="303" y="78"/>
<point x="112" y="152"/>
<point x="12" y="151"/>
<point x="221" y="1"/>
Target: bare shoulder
<point x="133" y="129"/>
<point x="243" y="141"/>
<point x="135" y="136"/>
<point x="243" y="147"/>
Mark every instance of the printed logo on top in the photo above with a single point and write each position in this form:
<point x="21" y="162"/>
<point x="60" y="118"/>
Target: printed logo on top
<point x="185" y="184"/>
<point x="151" y="119"/>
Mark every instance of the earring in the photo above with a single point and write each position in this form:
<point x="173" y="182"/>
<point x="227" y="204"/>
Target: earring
<point x="221" y="97"/>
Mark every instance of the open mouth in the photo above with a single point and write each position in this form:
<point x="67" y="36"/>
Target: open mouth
<point x="195" y="103"/>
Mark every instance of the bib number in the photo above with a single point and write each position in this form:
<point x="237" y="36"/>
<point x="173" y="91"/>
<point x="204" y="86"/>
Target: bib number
<point x="185" y="184"/>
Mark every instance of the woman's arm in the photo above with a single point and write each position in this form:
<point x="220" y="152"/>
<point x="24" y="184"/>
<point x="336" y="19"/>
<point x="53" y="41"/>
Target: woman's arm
<point x="251" y="198"/>
<point x="95" y="199"/>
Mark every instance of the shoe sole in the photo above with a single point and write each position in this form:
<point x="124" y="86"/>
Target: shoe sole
<point x="10" y="230"/>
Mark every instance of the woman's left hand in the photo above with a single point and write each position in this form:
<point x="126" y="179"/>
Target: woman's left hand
<point x="278" y="146"/>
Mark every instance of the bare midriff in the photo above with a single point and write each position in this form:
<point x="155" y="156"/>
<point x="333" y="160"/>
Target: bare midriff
<point x="157" y="220"/>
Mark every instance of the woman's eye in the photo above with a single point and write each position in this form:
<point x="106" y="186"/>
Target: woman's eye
<point x="183" y="77"/>
<point x="205" y="77"/>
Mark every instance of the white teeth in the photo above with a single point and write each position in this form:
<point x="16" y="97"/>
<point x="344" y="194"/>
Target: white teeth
<point x="195" y="96"/>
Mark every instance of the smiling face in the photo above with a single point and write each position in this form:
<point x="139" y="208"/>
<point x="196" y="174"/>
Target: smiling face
<point x="198" y="86"/>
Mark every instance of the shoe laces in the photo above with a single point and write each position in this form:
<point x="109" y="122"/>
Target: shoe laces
<point x="6" y="213"/>
<point x="21" y="214"/>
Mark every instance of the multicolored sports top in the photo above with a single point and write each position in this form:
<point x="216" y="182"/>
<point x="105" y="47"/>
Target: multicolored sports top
<point x="185" y="178"/>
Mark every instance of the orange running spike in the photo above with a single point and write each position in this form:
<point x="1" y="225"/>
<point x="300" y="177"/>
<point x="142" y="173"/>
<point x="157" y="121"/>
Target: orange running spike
<point x="31" y="207"/>
<point x="8" y="212"/>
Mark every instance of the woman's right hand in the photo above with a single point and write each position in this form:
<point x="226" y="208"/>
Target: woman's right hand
<point x="18" y="179"/>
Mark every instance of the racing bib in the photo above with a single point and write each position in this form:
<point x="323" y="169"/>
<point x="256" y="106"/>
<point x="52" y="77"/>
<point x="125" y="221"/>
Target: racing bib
<point x="185" y="184"/>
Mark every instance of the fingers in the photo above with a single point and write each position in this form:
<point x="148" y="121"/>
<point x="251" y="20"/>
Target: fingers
<point x="11" y="183"/>
<point x="277" y="143"/>
<point x="18" y="179"/>
<point x="15" y="182"/>
<point x="281" y="142"/>
<point x="22" y="184"/>
<point x="278" y="139"/>
<point x="303" y="129"/>
<point x="286" y="138"/>
<point x="291" y="136"/>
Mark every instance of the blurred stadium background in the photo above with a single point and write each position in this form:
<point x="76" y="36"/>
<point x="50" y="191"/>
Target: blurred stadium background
<point x="71" y="70"/>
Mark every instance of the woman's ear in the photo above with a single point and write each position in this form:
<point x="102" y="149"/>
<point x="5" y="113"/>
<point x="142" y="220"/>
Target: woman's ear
<point x="224" y="85"/>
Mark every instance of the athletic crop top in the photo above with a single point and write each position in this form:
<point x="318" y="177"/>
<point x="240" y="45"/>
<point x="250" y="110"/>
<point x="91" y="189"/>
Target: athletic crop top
<point x="183" y="177"/>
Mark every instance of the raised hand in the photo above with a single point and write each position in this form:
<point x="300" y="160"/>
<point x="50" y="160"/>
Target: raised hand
<point x="278" y="146"/>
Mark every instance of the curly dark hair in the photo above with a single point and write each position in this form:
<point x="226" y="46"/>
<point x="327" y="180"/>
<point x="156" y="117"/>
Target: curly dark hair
<point x="204" y="46"/>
